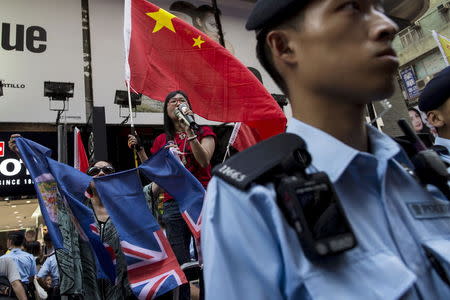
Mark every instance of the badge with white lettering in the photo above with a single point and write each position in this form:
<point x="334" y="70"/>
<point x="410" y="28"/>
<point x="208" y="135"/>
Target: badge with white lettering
<point x="422" y="210"/>
<point x="232" y="173"/>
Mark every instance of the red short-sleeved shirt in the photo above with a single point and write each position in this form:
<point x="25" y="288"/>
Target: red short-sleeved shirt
<point x="202" y="174"/>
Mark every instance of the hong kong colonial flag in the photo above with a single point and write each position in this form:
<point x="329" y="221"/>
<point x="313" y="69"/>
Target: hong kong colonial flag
<point x="164" y="54"/>
<point x="152" y="266"/>
<point x="61" y="187"/>
<point x="168" y="172"/>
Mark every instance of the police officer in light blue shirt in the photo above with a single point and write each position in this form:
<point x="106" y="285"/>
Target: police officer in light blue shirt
<point x="331" y="57"/>
<point x="48" y="275"/>
<point x="435" y="102"/>
<point x="49" y="268"/>
<point x="25" y="261"/>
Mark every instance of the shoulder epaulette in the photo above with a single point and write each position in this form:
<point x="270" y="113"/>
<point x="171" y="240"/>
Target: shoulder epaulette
<point x="441" y="150"/>
<point x="254" y="163"/>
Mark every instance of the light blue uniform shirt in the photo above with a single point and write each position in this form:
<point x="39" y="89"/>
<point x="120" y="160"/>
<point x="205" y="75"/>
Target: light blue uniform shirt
<point x="50" y="267"/>
<point x="445" y="143"/>
<point x="250" y="252"/>
<point x="25" y="263"/>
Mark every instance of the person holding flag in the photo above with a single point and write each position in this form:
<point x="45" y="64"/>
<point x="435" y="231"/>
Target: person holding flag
<point x="195" y="150"/>
<point x="163" y="54"/>
<point x="151" y="266"/>
<point x="109" y="237"/>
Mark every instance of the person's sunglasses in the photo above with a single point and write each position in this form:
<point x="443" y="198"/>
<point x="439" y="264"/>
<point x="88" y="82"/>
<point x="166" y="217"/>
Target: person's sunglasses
<point x="92" y="171"/>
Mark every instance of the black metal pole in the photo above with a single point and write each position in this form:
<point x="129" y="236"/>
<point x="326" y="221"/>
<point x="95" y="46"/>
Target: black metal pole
<point x="87" y="58"/>
<point x="218" y="22"/>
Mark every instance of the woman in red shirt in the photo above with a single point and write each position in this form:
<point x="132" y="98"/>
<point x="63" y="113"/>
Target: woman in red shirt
<point x="195" y="150"/>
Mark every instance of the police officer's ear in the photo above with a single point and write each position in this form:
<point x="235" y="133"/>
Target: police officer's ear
<point x="280" y="44"/>
<point x="436" y="118"/>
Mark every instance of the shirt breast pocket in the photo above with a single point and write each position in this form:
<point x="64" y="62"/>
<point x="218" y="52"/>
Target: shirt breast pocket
<point x="438" y="254"/>
<point x="378" y="276"/>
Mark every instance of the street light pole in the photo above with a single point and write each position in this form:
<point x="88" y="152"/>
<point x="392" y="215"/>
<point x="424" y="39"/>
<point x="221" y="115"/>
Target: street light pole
<point x="59" y="94"/>
<point x="218" y="22"/>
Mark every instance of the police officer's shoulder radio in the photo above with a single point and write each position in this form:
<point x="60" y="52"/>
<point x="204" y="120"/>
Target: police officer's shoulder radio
<point x="308" y="201"/>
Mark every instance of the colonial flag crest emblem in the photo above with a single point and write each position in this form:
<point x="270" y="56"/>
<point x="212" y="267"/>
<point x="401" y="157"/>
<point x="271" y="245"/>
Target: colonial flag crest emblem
<point x="49" y="192"/>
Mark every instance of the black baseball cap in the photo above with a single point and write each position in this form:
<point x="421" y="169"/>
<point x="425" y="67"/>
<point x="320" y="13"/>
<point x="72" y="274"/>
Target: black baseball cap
<point x="437" y="91"/>
<point x="268" y="13"/>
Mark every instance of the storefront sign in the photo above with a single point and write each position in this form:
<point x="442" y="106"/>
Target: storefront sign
<point x="40" y="40"/>
<point x="409" y="81"/>
<point x="15" y="179"/>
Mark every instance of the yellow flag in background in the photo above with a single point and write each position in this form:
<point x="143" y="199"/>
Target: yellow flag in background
<point x="444" y="46"/>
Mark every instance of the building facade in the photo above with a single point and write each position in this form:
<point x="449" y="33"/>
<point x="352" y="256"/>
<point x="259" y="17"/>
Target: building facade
<point x="418" y="50"/>
<point x="82" y="42"/>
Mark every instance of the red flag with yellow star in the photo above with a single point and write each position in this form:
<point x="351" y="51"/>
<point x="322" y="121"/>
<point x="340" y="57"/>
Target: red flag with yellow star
<point x="165" y="54"/>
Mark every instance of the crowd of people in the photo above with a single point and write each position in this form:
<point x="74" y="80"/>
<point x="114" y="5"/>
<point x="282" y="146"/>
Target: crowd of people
<point x="389" y="232"/>
<point x="29" y="267"/>
<point x="195" y="150"/>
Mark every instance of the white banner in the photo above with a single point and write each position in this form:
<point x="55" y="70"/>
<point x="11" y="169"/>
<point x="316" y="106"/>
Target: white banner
<point x="41" y="40"/>
<point x="106" y="17"/>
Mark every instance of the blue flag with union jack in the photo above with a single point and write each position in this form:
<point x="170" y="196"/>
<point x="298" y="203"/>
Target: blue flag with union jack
<point x="151" y="264"/>
<point x="60" y="186"/>
<point x="168" y="172"/>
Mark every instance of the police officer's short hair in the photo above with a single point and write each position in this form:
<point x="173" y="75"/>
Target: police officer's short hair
<point x="263" y="51"/>
<point x="17" y="238"/>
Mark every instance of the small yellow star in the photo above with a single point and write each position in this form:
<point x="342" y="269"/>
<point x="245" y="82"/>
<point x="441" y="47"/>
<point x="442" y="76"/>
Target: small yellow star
<point x="163" y="19"/>
<point x="198" y="41"/>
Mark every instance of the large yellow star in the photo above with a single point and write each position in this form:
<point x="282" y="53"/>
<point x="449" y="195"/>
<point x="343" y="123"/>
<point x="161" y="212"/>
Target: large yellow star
<point x="198" y="41"/>
<point x="163" y="19"/>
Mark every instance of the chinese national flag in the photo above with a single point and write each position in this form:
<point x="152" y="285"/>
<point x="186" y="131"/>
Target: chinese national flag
<point x="246" y="137"/>
<point x="165" y="54"/>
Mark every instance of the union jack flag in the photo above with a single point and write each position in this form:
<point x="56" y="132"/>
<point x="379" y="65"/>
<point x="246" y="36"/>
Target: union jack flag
<point x="168" y="172"/>
<point x="152" y="273"/>
<point x="189" y="218"/>
<point x="108" y="247"/>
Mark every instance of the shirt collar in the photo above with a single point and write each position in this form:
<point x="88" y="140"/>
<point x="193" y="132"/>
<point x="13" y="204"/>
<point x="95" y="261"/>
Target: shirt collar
<point x="333" y="156"/>
<point x="442" y="142"/>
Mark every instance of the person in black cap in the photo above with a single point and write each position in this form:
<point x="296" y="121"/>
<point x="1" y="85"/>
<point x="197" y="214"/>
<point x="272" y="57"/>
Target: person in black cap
<point x="435" y="102"/>
<point x="331" y="58"/>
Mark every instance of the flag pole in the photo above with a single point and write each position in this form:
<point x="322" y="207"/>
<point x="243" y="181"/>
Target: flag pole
<point x="232" y="139"/>
<point x="133" y="130"/>
<point x="444" y="55"/>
